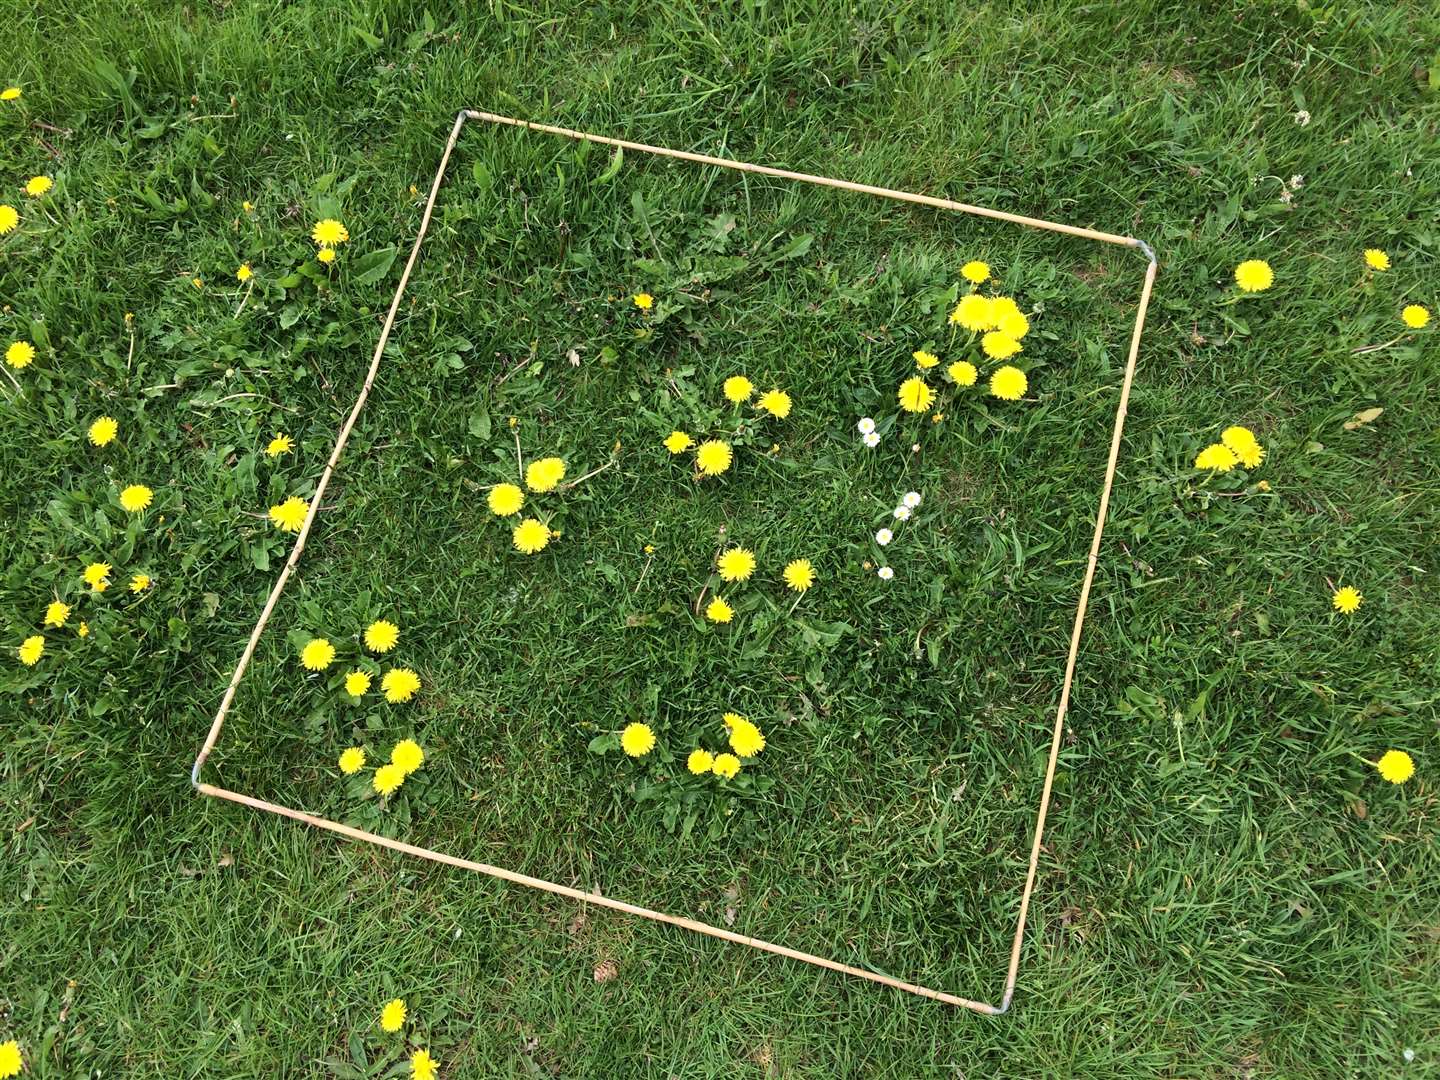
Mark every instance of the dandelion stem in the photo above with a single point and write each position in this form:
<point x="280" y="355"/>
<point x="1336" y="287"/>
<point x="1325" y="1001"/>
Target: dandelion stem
<point x="593" y="472"/>
<point x="1377" y="348"/>
<point x="798" y="598"/>
<point x="249" y="288"/>
<point x="519" y="458"/>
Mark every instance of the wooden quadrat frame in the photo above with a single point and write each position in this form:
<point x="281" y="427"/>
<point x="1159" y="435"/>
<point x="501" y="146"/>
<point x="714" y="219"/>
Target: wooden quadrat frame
<point x="620" y="905"/>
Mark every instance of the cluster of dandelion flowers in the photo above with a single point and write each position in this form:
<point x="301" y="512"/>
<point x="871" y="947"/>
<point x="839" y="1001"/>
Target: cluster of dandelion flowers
<point x="776" y="402"/>
<point x="289" y="515"/>
<point x="392" y="1016"/>
<point x="20" y="354"/>
<point x="329" y="233"/>
<point x="737" y="389"/>
<point x="31" y="649"/>
<point x="97" y="576"/>
<point x="718" y="611"/>
<point x="637" y="739"/>
<point x="136" y="498"/>
<point x="381" y="636"/>
<point x="545" y="474"/>
<point x="677" y="442"/>
<point x="103" y="431"/>
<point x="11" y="1063"/>
<point x="1395" y="766"/>
<point x="317" y="655"/>
<point x="1347" y="599"/>
<point x="799" y="574"/>
<point x="530" y="536"/>
<point x="9" y="218"/>
<point x="399" y="685"/>
<point x="736" y="564"/>
<point x="1254" y="275"/>
<point x="1009" y="383"/>
<point x="1415" y="316"/>
<point x="352" y="760"/>
<point x="713" y="457"/>
<point x="915" y="395"/>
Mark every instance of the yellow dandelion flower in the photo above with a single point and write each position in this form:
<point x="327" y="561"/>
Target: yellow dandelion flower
<point x="280" y="444"/>
<point x="11" y="1063"/>
<point x="973" y="313"/>
<point x="1216" y="456"/>
<point x="713" y="457"/>
<point x="97" y="576"/>
<point x="31" y="649"/>
<point x="326" y="255"/>
<point x="352" y="760"/>
<point x="700" y="762"/>
<point x="915" y="395"/>
<point x="975" y="272"/>
<point x="637" y="739"/>
<point x="1415" y="316"/>
<point x="399" y="685"/>
<point x="136" y="497"/>
<point x="103" y="431"/>
<point x="1347" y="599"/>
<point x="198" y="282"/>
<point x="776" y="403"/>
<point x="243" y="272"/>
<point x="677" y="442"/>
<point x="317" y="655"/>
<point x="924" y="360"/>
<point x="963" y="373"/>
<point x="392" y="1016"/>
<point x="745" y="738"/>
<point x="736" y="564"/>
<point x="10" y="93"/>
<point x="20" y="354"/>
<point x="407" y="756"/>
<point x="799" y="574"/>
<point x="139" y="583"/>
<point x="1013" y="324"/>
<point x="422" y="1065"/>
<point x="1254" y="275"/>
<point x="738" y="388"/>
<point x="381" y="636"/>
<point x="9" y="218"/>
<point x="357" y="683"/>
<point x="643" y="300"/>
<point x="505" y="499"/>
<point x="289" y="515"/>
<point x="1236" y="437"/>
<point x="387" y="779"/>
<point x="1376" y="259"/>
<point x="999" y="345"/>
<point x="544" y="474"/>
<point x="56" y="613"/>
<point x="329" y="233"/>
<point x="83" y="630"/>
<point x="247" y="206"/>
<point x="726" y="766"/>
<point x="1009" y="383"/>
<point x="718" y="611"/>
<point x="530" y="536"/>
<point x="1250" y="455"/>
<point x="38" y="185"/>
<point x="1395" y="766"/>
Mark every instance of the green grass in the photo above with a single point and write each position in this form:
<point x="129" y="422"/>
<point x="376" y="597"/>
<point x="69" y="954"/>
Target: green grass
<point x="1227" y="888"/>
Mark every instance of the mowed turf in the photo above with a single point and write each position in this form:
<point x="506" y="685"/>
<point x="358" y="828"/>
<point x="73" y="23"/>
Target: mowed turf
<point x="1227" y="888"/>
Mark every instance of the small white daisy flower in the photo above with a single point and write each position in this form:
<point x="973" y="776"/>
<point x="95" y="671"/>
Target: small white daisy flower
<point x="872" y="440"/>
<point x="884" y="536"/>
<point x="912" y="499"/>
<point x="902" y="513"/>
<point x="866" y="425"/>
<point x="915" y="448"/>
<point x="885" y="573"/>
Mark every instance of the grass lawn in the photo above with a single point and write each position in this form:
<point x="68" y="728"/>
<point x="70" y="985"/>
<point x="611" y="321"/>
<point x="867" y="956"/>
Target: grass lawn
<point x="1227" y="887"/>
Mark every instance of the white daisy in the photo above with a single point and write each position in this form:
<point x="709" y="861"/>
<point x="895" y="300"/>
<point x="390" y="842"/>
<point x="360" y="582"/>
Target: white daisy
<point x="872" y="440"/>
<point x="912" y="499"/>
<point x="866" y="425"/>
<point x="902" y="513"/>
<point x="885" y="573"/>
<point x="884" y="536"/>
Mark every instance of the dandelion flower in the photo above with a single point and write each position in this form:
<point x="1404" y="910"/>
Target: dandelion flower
<point x="1415" y="316"/>
<point x="11" y="1063"/>
<point x="530" y="536"/>
<point x="544" y="474"/>
<point x="973" y="313"/>
<point x="97" y="576"/>
<point x="799" y="574"/>
<point x="1254" y="275"/>
<point x="700" y="762"/>
<point x="247" y="206"/>
<point x="718" y="611"/>
<point x="885" y="573"/>
<point x="713" y="457"/>
<point x="745" y="738"/>
<point x="422" y="1065"/>
<point x="1395" y="766"/>
<point x="136" y="497"/>
<point x="326" y="255"/>
<point x="505" y="499"/>
<point x="866" y="426"/>
<point x="637" y="739"/>
<point x="317" y="655"/>
<point x="387" y="779"/>
<point x="139" y="583"/>
<point x="329" y="233"/>
<point x="352" y="761"/>
<point x="280" y="444"/>
<point x="999" y="345"/>
<point x="1376" y="259"/>
<point x="963" y="373"/>
<point x="644" y="301"/>
<point x="872" y="439"/>
<point x="912" y="499"/>
<point x="915" y="395"/>
<point x="738" y="388"/>
<point x="10" y="93"/>
<point x="83" y="630"/>
<point x="1216" y="456"/>
<point x="399" y="685"/>
<point x="901" y="513"/>
<point x="198" y="282"/>
<point x="975" y="272"/>
<point x="677" y="442"/>
<point x="103" y="431"/>
<point x="726" y="766"/>
<point x="20" y="354"/>
<point x="1009" y="383"/>
<point x="31" y="649"/>
<point x="1346" y="599"/>
<point x="407" y="756"/>
<point x="57" y="613"/>
<point x="925" y="360"/>
<point x="883" y="537"/>
<point x="1013" y="324"/>
<point x="736" y="564"/>
<point x="392" y="1016"/>
<point x="1237" y="437"/>
<point x="357" y="683"/>
<point x="776" y="403"/>
<point x="289" y="515"/>
<point x="381" y="636"/>
<point x="243" y="272"/>
<point x="38" y="185"/>
<point x="9" y="218"/>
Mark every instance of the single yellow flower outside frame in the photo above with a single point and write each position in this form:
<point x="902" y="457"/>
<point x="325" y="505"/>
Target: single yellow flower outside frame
<point x="619" y="905"/>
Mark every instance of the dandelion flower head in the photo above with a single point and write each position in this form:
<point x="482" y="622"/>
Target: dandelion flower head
<point x="97" y="576"/>
<point x="407" y="756"/>
<point x="56" y="613"/>
<point x="544" y="474"/>
<point x="700" y="762"/>
<point x="9" y="218"/>
<point x="799" y="574"/>
<point x="975" y="272"/>
<point x="1009" y="383"/>
<point x="915" y="395"/>
<point x="357" y="683"/>
<point x="738" y="388"/>
<point x="637" y="739"/>
<point x="726" y="766"/>
<point x="20" y="354"/>
<point x="392" y="1016"/>
<point x="280" y="444"/>
<point x="925" y="360"/>
<point x="1415" y="316"/>
<point x="1254" y="275"/>
<point x="1395" y="766"/>
<point x="505" y="499"/>
<point x="745" y="738"/>
<point x="381" y="636"/>
<point x="243" y="272"/>
<point x="677" y="442"/>
<point x="38" y="185"/>
<point x="963" y="373"/>
<point x="973" y="313"/>
<point x="1347" y="599"/>
<point x="139" y="583"/>
<point x="776" y="403"/>
<point x="1216" y="456"/>
<point x="10" y="93"/>
<point x="1376" y="259"/>
<point x="387" y="779"/>
<point x="136" y="497"/>
<point x="718" y="611"/>
<point x="644" y="301"/>
<point x="352" y="760"/>
<point x="999" y="345"/>
<point x="736" y="564"/>
<point x="326" y="255"/>
<point x="317" y="655"/>
<point x="399" y="685"/>
<point x="11" y="1063"/>
<point x="289" y="515"/>
<point x="713" y="457"/>
<point x="530" y="536"/>
<point x="31" y="649"/>
<point x="329" y="233"/>
<point x="422" y="1065"/>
